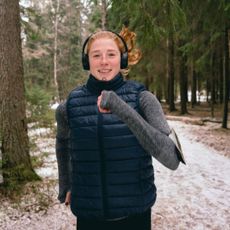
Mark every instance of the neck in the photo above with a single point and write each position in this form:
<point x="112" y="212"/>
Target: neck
<point x="96" y="86"/>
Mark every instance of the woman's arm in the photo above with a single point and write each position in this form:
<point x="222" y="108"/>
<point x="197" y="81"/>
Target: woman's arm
<point x="62" y="153"/>
<point x="150" y="105"/>
<point x="151" y="133"/>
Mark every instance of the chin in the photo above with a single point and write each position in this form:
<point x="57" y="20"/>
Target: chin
<point x="106" y="78"/>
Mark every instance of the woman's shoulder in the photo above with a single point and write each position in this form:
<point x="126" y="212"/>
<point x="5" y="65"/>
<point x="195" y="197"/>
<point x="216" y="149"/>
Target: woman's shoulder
<point x="61" y="106"/>
<point x="146" y="95"/>
<point x="61" y="110"/>
<point x="148" y="101"/>
<point x="135" y="84"/>
<point x="78" y="91"/>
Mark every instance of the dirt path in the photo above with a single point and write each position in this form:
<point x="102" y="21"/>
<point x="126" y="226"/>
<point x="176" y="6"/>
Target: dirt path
<point x="195" y="196"/>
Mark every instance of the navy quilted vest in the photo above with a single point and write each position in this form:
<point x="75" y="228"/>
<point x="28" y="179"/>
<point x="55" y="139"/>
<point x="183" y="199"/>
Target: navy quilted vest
<point x="112" y="175"/>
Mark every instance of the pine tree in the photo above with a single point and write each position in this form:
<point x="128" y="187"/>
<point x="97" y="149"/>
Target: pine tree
<point x="13" y="124"/>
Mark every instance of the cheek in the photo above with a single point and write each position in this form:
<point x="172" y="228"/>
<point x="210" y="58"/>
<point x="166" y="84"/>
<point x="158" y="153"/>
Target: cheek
<point x="92" y="62"/>
<point x="116" y="62"/>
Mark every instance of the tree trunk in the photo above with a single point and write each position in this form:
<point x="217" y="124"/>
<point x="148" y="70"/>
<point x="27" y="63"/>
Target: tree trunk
<point x="194" y="87"/>
<point x="199" y="82"/>
<point x="147" y="83"/>
<point x="159" y="88"/>
<point x="13" y="124"/>
<point x="183" y="88"/>
<point x="226" y="81"/>
<point x="55" y="47"/>
<point x="212" y="85"/>
<point x="171" y="72"/>
<point x="1" y="176"/>
<point x="221" y="80"/>
<point x="171" y="53"/>
<point x="219" y="70"/>
<point x="103" y="14"/>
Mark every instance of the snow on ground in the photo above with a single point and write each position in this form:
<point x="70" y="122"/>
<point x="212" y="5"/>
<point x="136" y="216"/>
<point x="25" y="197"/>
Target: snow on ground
<point x="196" y="196"/>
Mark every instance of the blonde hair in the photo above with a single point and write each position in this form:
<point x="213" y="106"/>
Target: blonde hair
<point x="134" y="54"/>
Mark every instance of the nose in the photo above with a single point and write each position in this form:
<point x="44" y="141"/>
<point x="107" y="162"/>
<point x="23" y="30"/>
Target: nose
<point x="104" y="59"/>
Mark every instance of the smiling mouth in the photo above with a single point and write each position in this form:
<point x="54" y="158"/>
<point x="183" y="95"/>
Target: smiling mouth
<point x="104" y="70"/>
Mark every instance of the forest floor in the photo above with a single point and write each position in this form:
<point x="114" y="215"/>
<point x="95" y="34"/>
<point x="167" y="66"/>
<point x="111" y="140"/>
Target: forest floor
<point x="205" y="128"/>
<point x="196" y="196"/>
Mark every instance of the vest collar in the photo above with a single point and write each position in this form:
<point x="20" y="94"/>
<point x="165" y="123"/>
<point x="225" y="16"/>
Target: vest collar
<point x="96" y="86"/>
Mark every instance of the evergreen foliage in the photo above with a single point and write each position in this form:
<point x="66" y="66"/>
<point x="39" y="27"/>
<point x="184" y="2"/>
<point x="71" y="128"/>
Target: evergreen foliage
<point x="197" y="28"/>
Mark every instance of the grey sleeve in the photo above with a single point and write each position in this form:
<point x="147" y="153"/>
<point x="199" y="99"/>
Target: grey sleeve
<point x="62" y="151"/>
<point x="154" y="115"/>
<point x="153" y="112"/>
<point x="151" y="134"/>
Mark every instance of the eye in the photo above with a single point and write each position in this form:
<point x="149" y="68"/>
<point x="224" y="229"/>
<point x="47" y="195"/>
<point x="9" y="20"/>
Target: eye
<point x="96" y="55"/>
<point x="111" y="54"/>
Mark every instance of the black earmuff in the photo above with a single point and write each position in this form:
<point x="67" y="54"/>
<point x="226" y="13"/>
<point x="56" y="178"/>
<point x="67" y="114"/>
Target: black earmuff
<point x="124" y="56"/>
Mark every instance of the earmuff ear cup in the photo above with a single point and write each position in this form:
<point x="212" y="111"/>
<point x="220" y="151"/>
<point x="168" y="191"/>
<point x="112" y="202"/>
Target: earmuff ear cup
<point x="124" y="60"/>
<point x="85" y="61"/>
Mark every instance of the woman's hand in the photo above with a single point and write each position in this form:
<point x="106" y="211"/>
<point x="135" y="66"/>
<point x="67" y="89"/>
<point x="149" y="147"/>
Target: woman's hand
<point x="67" y="198"/>
<point x="99" y="105"/>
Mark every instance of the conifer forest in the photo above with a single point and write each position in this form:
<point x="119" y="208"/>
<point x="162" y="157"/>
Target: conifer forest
<point x="185" y="63"/>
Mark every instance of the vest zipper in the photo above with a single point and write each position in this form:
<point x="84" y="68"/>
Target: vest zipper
<point x="102" y="163"/>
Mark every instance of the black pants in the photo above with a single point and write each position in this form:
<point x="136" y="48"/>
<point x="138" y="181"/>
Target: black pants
<point x="136" y="222"/>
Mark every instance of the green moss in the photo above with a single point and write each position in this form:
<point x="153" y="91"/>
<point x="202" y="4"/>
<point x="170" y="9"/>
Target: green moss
<point x="15" y="178"/>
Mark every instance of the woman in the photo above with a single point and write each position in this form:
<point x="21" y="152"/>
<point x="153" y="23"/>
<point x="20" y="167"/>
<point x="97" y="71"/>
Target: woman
<point x="109" y="129"/>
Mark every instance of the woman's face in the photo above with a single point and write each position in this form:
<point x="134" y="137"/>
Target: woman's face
<point x="104" y="59"/>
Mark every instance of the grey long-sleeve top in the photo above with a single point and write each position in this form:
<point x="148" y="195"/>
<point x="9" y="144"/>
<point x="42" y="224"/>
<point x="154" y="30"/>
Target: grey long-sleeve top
<point x="152" y="131"/>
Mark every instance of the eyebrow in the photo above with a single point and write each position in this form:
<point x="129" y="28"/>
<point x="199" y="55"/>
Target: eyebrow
<point x="98" y="51"/>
